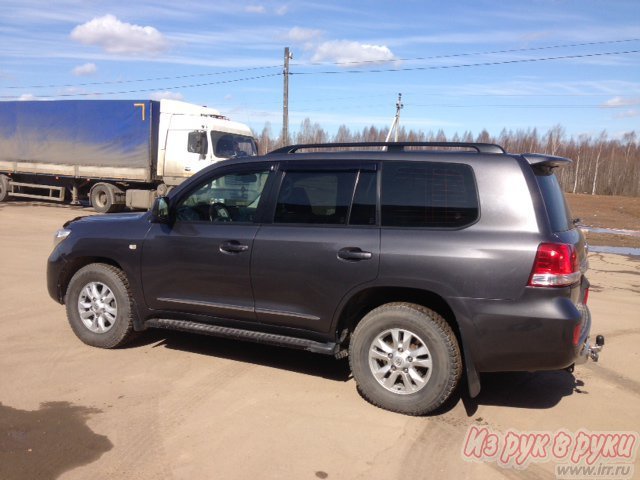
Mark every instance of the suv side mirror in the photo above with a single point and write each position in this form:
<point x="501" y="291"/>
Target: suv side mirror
<point x="160" y="210"/>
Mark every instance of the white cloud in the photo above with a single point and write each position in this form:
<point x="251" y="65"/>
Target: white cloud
<point x="85" y="69"/>
<point x="344" y="51"/>
<point x="261" y="10"/>
<point x="255" y="9"/>
<point x="119" y="37"/>
<point x="26" y="96"/>
<point x="301" y="35"/>
<point x="621" y="102"/>
<point x="628" y="114"/>
<point x="166" y="95"/>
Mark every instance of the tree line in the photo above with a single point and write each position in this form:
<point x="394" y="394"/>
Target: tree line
<point x="602" y="165"/>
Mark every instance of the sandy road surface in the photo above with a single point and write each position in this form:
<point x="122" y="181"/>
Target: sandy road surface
<point x="180" y="406"/>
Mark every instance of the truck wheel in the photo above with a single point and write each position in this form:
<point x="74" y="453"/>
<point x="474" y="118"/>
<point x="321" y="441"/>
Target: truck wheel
<point x="4" y="188"/>
<point x="103" y="198"/>
<point x="405" y="358"/>
<point x="99" y="306"/>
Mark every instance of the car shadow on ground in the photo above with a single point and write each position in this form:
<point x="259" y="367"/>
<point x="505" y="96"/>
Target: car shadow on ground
<point x="298" y="361"/>
<point x="525" y="390"/>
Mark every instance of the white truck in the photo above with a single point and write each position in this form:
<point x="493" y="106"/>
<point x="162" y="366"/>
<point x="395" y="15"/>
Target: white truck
<point x="116" y="153"/>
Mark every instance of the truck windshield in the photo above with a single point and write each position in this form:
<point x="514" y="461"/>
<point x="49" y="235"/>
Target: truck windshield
<point x="229" y="145"/>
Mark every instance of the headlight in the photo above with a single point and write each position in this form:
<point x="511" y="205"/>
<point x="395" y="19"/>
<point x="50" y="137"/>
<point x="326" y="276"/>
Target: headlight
<point x="60" y="235"/>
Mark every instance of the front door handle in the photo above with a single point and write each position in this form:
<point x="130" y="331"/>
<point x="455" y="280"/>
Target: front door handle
<point x="233" y="246"/>
<point x="354" y="254"/>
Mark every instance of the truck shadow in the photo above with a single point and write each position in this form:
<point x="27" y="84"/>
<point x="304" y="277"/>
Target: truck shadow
<point x="525" y="390"/>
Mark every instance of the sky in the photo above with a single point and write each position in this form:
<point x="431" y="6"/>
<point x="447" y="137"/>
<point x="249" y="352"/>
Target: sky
<point x="460" y="66"/>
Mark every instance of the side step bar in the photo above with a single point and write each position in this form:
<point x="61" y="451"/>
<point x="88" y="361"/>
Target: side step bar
<point x="329" y="348"/>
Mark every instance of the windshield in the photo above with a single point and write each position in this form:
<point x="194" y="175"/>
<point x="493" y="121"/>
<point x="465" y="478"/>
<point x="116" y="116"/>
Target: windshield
<point x="229" y="145"/>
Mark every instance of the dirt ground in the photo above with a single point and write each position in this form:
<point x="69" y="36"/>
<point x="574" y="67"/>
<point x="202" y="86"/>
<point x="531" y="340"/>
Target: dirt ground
<point x="607" y="212"/>
<point x="180" y="406"/>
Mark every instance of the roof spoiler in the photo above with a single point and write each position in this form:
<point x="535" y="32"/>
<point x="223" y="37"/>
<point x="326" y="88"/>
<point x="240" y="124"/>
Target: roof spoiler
<point x="546" y="161"/>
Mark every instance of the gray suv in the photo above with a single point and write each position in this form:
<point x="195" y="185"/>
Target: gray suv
<point x="418" y="261"/>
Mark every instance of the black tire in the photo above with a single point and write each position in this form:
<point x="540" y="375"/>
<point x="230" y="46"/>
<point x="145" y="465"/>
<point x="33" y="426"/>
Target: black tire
<point x="400" y="392"/>
<point x="4" y="188"/>
<point x="107" y="330"/>
<point x="103" y="198"/>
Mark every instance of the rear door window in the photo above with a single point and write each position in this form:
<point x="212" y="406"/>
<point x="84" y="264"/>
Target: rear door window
<point x="315" y="197"/>
<point x="327" y="196"/>
<point x="428" y="194"/>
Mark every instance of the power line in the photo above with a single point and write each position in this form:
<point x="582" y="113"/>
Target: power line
<point x="466" y="65"/>
<point x="339" y="72"/>
<point x="119" y="82"/>
<point x="521" y="106"/>
<point x="87" y="94"/>
<point x="456" y="55"/>
<point x="362" y="62"/>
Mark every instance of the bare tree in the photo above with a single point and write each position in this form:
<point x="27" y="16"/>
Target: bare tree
<point x="600" y="165"/>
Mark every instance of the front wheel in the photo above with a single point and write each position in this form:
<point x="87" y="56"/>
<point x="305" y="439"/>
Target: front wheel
<point x="405" y="358"/>
<point x="99" y="306"/>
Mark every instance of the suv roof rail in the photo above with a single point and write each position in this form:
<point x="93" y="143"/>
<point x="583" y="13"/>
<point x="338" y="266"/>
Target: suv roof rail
<point x="394" y="146"/>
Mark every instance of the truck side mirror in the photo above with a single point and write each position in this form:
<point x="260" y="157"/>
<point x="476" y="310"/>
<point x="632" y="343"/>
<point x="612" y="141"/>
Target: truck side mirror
<point x="160" y="211"/>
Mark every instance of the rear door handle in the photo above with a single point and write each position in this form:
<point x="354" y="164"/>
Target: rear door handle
<point x="354" y="254"/>
<point x="233" y="246"/>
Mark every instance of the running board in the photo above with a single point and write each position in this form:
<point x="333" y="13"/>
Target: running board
<point x="328" y="348"/>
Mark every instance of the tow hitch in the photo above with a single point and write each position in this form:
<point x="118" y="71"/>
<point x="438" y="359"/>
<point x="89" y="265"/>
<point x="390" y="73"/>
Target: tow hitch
<point x="591" y="351"/>
<point x="594" y="352"/>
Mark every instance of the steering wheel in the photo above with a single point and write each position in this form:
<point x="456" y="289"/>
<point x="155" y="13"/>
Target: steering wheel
<point x="218" y="212"/>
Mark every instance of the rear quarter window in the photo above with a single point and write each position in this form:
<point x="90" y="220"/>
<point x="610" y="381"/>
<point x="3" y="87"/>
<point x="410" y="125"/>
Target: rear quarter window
<point x="428" y="194"/>
<point x="554" y="201"/>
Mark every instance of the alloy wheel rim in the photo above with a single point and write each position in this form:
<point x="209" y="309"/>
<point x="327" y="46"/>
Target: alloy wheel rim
<point x="97" y="307"/>
<point x="400" y="361"/>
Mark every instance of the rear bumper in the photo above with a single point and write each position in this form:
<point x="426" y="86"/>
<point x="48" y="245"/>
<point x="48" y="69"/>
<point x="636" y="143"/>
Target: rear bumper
<point x="532" y="334"/>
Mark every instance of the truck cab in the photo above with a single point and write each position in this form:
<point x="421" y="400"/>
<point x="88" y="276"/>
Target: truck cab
<point x="197" y="137"/>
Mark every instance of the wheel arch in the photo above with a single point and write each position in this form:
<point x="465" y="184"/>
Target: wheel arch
<point x="356" y="307"/>
<point x="72" y="266"/>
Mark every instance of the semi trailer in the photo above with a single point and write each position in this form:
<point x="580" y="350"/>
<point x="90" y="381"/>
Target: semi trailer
<point x="113" y="153"/>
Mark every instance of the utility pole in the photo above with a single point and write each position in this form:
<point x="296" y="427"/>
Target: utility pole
<point x="395" y="125"/>
<point x="285" y="101"/>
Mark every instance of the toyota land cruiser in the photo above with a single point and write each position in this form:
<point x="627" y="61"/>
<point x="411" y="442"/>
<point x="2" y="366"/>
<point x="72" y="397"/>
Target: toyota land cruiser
<point x="418" y="261"/>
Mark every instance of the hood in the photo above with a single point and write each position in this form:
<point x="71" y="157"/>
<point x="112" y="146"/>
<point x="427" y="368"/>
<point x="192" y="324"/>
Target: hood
<point x="108" y="218"/>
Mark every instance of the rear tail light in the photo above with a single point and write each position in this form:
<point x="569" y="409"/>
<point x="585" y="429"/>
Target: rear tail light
<point x="556" y="265"/>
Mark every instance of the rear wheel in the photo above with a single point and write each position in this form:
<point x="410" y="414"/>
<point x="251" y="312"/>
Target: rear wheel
<point x="103" y="198"/>
<point x="100" y="307"/>
<point x="405" y="358"/>
<point x="4" y="188"/>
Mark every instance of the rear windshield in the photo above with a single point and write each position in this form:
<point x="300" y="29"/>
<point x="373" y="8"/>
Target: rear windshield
<point x="557" y="208"/>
